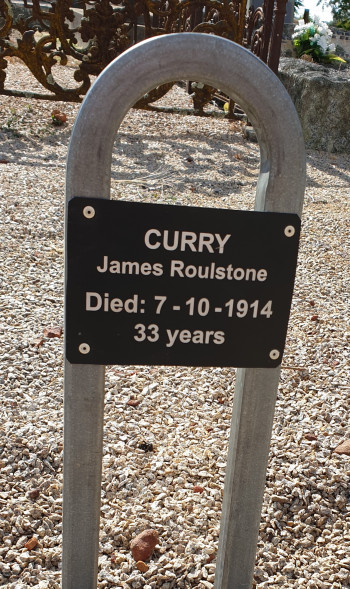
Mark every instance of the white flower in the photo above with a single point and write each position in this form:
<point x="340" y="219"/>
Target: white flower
<point x="322" y="43"/>
<point x="315" y="33"/>
<point x="301" y="27"/>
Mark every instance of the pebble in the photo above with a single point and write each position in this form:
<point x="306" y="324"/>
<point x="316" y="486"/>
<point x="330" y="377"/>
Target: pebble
<point x="52" y="331"/>
<point x="343" y="448"/>
<point x="143" y="544"/>
<point x="142" y="566"/>
<point x="31" y="544"/>
<point x="34" y="493"/>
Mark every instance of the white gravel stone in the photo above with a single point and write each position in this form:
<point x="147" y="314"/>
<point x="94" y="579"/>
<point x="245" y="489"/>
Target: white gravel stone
<point x="184" y="413"/>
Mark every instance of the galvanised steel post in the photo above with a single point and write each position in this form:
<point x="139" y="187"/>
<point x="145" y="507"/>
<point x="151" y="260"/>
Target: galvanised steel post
<point x="244" y="78"/>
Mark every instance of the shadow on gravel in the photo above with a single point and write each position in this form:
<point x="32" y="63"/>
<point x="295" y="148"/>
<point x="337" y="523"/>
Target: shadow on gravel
<point x="336" y="165"/>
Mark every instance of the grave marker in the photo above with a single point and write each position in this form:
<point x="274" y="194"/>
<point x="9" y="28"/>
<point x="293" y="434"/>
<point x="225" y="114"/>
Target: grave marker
<point x="222" y="64"/>
<point x="164" y="285"/>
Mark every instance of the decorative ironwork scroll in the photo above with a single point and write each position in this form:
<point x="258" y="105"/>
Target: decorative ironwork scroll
<point x="47" y="34"/>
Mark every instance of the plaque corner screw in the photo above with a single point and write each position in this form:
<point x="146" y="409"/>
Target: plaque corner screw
<point x="84" y="348"/>
<point x="89" y="212"/>
<point x="274" y="354"/>
<point x="289" y="231"/>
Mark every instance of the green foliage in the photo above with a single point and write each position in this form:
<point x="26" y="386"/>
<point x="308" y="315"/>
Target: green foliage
<point x="297" y="5"/>
<point x="341" y="13"/>
<point x="343" y="24"/>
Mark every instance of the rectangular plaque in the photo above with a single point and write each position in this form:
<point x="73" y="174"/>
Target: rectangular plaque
<point x="161" y="284"/>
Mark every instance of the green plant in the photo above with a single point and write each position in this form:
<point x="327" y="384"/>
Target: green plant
<point x="314" y="39"/>
<point x="341" y="13"/>
<point x="343" y="24"/>
<point x="298" y="5"/>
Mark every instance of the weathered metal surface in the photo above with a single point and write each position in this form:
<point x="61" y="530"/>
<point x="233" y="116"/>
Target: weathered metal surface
<point x="90" y="34"/>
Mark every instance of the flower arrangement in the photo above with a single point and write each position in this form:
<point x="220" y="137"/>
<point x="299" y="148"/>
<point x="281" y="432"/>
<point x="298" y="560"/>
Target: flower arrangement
<point x="314" y="39"/>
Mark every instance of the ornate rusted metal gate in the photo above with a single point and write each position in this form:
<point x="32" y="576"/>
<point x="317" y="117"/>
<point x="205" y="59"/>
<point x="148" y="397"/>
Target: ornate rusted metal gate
<point x="89" y="34"/>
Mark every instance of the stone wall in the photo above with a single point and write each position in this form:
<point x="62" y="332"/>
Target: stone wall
<point x="342" y="38"/>
<point x="321" y="96"/>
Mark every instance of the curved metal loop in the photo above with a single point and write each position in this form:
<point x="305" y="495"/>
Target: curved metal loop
<point x="217" y="62"/>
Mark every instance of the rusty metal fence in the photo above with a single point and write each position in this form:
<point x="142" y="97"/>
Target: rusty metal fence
<point x="89" y="34"/>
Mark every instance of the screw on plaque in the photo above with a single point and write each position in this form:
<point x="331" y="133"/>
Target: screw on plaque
<point x="289" y="231"/>
<point x="89" y="212"/>
<point x="274" y="354"/>
<point x="84" y="348"/>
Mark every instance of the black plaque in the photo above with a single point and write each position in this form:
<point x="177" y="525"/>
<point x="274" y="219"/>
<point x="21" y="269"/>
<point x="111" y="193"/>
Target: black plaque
<point x="159" y="284"/>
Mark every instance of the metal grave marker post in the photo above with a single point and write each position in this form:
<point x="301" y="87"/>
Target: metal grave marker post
<point x="207" y="316"/>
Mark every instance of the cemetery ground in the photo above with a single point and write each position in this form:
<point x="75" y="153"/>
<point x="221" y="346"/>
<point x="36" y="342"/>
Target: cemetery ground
<point x="166" y="429"/>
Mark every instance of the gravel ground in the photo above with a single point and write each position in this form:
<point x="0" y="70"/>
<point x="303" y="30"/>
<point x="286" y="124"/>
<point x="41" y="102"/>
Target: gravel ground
<point x="174" y="481"/>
